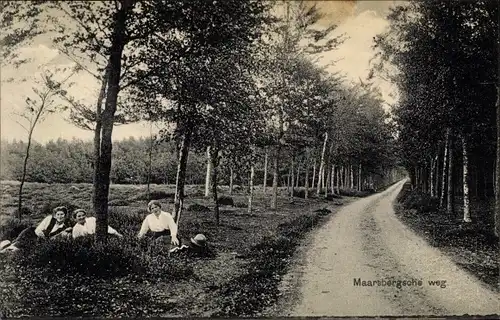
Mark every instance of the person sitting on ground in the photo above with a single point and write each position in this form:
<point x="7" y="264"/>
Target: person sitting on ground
<point x="86" y="225"/>
<point x="51" y="227"/>
<point x="197" y="247"/>
<point x="160" y="223"/>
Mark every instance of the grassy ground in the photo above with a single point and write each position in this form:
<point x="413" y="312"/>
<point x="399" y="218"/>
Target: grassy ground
<point x="470" y="245"/>
<point x="129" y="279"/>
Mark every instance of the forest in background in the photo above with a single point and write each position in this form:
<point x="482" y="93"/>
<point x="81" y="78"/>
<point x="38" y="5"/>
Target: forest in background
<point x="447" y="114"/>
<point x="70" y="161"/>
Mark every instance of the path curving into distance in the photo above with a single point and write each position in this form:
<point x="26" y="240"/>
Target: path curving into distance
<point x="365" y="241"/>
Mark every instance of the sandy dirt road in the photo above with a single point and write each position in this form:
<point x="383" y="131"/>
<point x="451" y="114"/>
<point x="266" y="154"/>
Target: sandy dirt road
<point x="365" y="241"/>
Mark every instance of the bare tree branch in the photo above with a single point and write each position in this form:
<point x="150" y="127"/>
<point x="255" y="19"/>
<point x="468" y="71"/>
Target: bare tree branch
<point x="19" y="123"/>
<point x="72" y="57"/>
<point x="82" y="25"/>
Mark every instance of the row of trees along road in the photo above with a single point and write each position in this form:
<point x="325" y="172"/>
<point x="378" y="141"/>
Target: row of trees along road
<point x="234" y="79"/>
<point x="446" y="114"/>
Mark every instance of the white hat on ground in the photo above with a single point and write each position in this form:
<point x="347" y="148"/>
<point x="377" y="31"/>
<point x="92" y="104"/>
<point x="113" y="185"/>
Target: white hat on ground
<point x="199" y="240"/>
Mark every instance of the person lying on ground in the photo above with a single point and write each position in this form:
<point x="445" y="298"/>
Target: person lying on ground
<point x="160" y="223"/>
<point x="197" y="247"/>
<point x="86" y="225"/>
<point x="53" y="226"/>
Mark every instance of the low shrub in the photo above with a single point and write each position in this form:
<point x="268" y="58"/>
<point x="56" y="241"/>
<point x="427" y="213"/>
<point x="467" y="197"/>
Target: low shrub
<point x="300" y="193"/>
<point x="196" y="207"/>
<point x="25" y="212"/>
<point x="332" y="196"/>
<point x="119" y="203"/>
<point x="237" y="188"/>
<point x="241" y="205"/>
<point x="298" y="226"/>
<point x="250" y="293"/>
<point x="119" y="257"/>
<point x="225" y="201"/>
<point x="76" y="296"/>
<point x="126" y="220"/>
<point x="403" y="194"/>
<point x="420" y="201"/>
<point x="80" y="271"/>
<point x="12" y="226"/>
<point x="153" y="195"/>
<point x="354" y="193"/>
<point x="323" y="212"/>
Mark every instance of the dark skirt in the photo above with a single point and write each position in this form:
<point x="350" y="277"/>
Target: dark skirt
<point x="163" y="233"/>
<point x="26" y="238"/>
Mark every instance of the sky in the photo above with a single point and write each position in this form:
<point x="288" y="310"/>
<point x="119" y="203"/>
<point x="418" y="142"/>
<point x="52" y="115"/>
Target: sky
<point x="359" y="20"/>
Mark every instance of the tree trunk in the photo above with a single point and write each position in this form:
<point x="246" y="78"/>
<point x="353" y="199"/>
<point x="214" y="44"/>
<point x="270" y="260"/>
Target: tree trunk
<point x="338" y="179"/>
<point x="445" y="161"/>
<point x="250" y="197"/>
<point x="431" y="182"/>
<point x="327" y="180"/>
<point x="359" y="177"/>
<point x="449" y="205"/>
<point x="351" y="177"/>
<point x="209" y="173"/>
<point x="417" y="178"/>
<point x="288" y="182"/>
<point x="231" y="177"/>
<point x="25" y="165"/>
<point x="292" y="186"/>
<point x="466" y="181"/>
<point x="101" y="188"/>
<point x="274" y="200"/>
<point x="150" y="160"/>
<point x="333" y="179"/>
<point x="342" y="177"/>
<point x="97" y="131"/>
<point x="497" y="167"/>
<point x="214" y="156"/>
<point x="306" y="183"/>
<point x="314" y="173"/>
<point x="33" y="124"/>
<point x="475" y="172"/>
<point x="322" y="164"/>
<point x="324" y="176"/>
<point x="297" y="177"/>
<point x="181" y="175"/>
<point x="436" y="178"/>
<point x="265" y="172"/>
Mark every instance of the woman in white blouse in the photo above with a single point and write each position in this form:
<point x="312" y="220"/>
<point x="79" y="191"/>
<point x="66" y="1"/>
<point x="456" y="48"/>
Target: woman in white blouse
<point x="86" y="225"/>
<point x="160" y="223"/>
<point x="53" y="226"/>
